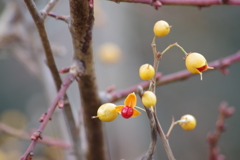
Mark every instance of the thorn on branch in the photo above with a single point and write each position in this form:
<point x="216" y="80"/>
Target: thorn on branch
<point x="41" y="119"/>
<point x="156" y="4"/>
<point x="29" y="156"/>
<point x="223" y="66"/>
<point x="220" y="125"/>
<point x="36" y="135"/>
<point x="159" y="55"/>
<point x="61" y="103"/>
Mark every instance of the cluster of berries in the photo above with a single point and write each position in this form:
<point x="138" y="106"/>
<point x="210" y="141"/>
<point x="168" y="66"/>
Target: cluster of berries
<point x="195" y="63"/>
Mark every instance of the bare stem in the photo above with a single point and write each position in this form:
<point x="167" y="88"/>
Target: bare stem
<point x="173" y="124"/>
<point x="164" y="139"/>
<point x="26" y="136"/>
<point x="59" y="17"/>
<point x="170" y="128"/>
<point x="152" y="145"/>
<point x="50" y="111"/>
<point x="140" y="108"/>
<point x="172" y="45"/>
<point x="152" y="86"/>
<point x="224" y="112"/>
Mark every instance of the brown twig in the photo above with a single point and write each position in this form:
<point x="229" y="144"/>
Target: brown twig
<point x="152" y="145"/>
<point x="222" y="63"/>
<point x="199" y="3"/>
<point x="39" y="22"/>
<point x="164" y="139"/>
<point x="213" y="138"/>
<point x="152" y="87"/>
<point x="81" y="14"/>
<point x="26" y="136"/>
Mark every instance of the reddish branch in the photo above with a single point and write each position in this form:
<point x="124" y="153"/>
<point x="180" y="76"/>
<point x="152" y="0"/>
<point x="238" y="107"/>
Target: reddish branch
<point x="213" y="138"/>
<point x="220" y="64"/>
<point x="59" y="17"/>
<point x="37" y="135"/>
<point x="200" y="3"/>
<point x="24" y="135"/>
<point x="39" y="22"/>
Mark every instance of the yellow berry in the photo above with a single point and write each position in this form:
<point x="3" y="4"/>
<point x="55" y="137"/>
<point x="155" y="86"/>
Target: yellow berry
<point x="196" y="63"/>
<point x="107" y="112"/>
<point x="161" y="28"/>
<point x="189" y="122"/>
<point x="149" y="99"/>
<point x="109" y="53"/>
<point x="146" y="72"/>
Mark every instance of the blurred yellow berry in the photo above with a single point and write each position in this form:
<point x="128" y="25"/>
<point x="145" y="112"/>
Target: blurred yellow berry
<point x="196" y="63"/>
<point x="146" y="72"/>
<point x="188" y="122"/>
<point x="161" y="28"/>
<point x="149" y="99"/>
<point x="14" y="118"/>
<point x="109" y="53"/>
<point x="107" y="112"/>
<point x="3" y="155"/>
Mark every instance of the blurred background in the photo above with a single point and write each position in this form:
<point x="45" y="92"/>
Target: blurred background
<point x="26" y="87"/>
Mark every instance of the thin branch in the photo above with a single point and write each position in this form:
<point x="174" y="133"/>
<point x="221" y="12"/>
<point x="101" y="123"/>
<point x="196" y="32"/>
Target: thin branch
<point x="26" y="136"/>
<point x="48" y="8"/>
<point x="224" y="112"/>
<point x="39" y="22"/>
<point x="81" y="14"/>
<point x="164" y="139"/>
<point x="152" y="145"/>
<point x="59" y="17"/>
<point x="199" y="3"/>
<point x="152" y="87"/>
<point x="48" y="115"/>
<point x="221" y="64"/>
